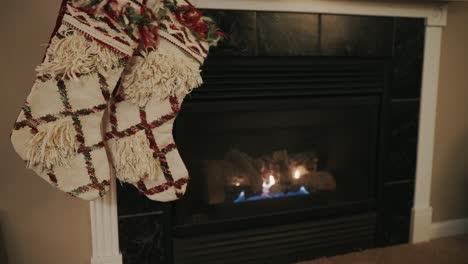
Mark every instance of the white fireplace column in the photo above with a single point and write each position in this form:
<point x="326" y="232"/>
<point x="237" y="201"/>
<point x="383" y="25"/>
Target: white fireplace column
<point x="104" y="224"/>
<point x="105" y="229"/>
<point x="421" y="218"/>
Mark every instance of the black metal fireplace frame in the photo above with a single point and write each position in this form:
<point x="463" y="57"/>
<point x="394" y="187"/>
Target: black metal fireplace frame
<point x="324" y="81"/>
<point x="394" y="50"/>
<point x="369" y="104"/>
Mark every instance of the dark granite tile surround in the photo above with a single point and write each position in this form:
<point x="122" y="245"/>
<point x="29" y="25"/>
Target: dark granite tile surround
<point x="399" y="41"/>
<point x="356" y="36"/>
<point x="140" y="238"/>
<point x="287" y="34"/>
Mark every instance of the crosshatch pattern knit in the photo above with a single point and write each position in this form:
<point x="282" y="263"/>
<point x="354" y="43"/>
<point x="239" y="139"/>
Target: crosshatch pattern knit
<point x="75" y="91"/>
<point x="155" y="123"/>
<point x="155" y="52"/>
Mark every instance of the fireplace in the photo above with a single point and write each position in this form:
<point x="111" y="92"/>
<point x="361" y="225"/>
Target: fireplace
<point x="291" y="144"/>
<point x="301" y="144"/>
<point x="252" y="156"/>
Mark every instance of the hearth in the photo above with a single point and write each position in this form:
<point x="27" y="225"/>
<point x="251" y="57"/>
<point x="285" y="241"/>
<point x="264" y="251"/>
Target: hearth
<point x="291" y="144"/>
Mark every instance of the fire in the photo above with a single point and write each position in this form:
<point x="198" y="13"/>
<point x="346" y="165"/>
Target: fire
<point x="267" y="185"/>
<point x="297" y="174"/>
<point x="271" y="182"/>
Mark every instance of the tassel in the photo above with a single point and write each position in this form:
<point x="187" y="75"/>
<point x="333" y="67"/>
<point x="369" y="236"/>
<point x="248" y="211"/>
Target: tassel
<point x="75" y="55"/>
<point x="160" y="73"/>
<point x="55" y="145"/>
<point x="133" y="159"/>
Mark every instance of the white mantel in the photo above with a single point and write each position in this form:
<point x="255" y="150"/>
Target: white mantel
<point x="104" y="211"/>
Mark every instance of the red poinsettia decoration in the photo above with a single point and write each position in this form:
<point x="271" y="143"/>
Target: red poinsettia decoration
<point x="202" y="27"/>
<point x="131" y="19"/>
<point x="188" y="15"/>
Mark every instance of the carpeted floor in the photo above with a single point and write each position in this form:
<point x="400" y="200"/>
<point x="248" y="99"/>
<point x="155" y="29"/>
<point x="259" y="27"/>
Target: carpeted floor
<point x="453" y="250"/>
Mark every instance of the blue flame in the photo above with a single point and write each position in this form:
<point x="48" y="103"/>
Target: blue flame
<point x="241" y="198"/>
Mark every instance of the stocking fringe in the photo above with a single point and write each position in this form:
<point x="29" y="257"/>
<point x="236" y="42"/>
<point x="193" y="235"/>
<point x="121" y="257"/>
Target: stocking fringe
<point x="159" y="74"/>
<point x="133" y="159"/>
<point x="54" y="145"/>
<point x="75" y="55"/>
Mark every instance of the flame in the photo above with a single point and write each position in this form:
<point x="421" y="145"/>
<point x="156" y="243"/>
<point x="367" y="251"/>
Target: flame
<point x="271" y="182"/>
<point x="297" y="174"/>
<point x="267" y="185"/>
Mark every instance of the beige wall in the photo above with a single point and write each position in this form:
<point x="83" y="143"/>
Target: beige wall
<point x="39" y="224"/>
<point x="450" y="180"/>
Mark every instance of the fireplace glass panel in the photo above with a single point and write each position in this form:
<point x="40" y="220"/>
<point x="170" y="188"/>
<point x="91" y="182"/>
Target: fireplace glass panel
<point x="254" y="156"/>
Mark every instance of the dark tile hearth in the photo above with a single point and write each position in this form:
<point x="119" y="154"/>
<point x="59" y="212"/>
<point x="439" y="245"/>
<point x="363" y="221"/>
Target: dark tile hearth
<point x="140" y="239"/>
<point x="408" y="57"/>
<point x="241" y="29"/>
<point x="403" y="140"/>
<point x="132" y="202"/>
<point x="287" y="34"/>
<point x="397" y="203"/>
<point x="356" y="35"/>
<point x="302" y="141"/>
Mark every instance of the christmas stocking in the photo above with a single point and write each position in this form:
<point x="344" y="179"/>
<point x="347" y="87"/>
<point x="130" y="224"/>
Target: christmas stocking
<point x="152" y="88"/>
<point x="58" y="132"/>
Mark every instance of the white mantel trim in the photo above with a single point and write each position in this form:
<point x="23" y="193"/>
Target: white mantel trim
<point x="104" y="223"/>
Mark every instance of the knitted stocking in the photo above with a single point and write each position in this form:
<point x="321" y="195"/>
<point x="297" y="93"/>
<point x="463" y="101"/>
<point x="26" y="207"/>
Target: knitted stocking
<point x="58" y="132"/>
<point x="143" y="112"/>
